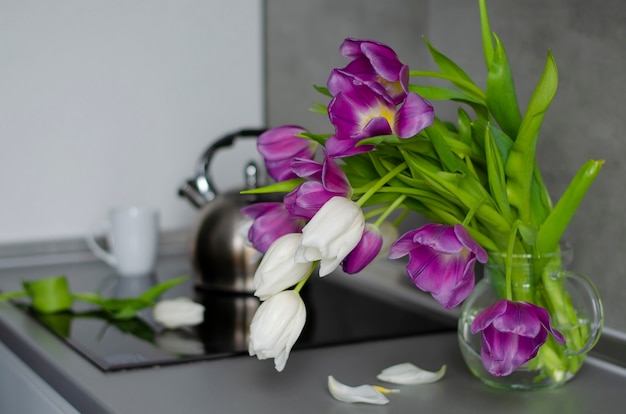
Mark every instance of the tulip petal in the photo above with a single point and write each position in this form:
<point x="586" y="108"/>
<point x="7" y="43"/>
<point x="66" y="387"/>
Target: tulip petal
<point x="345" y="147"/>
<point x="362" y="394"/>
<point x="414" y="115"/>
<point x="307" y="199"/>
<point x="438" y="237"/>
<point x="304" y="168"/>
<point x="178" y="312"/>
<point x="271" y="220"/>
<point x="473" y="246"/>
<point x="280" y="146"/>
<point x="407" y="373"/>
<point x="365" y="251"/>
<point x="487" y="316"/>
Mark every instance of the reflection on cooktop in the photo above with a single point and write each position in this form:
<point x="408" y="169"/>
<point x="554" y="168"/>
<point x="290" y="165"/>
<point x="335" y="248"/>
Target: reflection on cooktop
<point x="336" y="315"/>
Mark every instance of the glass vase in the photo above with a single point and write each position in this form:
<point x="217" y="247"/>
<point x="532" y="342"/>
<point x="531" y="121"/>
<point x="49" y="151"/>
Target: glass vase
<point x="571" y="299"/>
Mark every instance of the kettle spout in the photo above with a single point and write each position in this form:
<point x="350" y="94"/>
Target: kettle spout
<point x="191" y="193"/>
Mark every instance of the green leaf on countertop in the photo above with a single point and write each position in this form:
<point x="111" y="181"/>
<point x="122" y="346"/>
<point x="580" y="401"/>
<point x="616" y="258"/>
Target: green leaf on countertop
<point x="52" y="295"/>
<point x="49" y="295"/>
<point x="126" y="308"/>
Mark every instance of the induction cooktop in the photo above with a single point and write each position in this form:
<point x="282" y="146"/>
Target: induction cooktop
<point x="336" y="314"/>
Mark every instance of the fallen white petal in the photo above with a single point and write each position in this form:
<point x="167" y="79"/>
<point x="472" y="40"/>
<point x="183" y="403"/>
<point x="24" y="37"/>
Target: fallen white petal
<point x="179" y="312"/>
<point x="407" y="373"/>
<point x="363" y="393"/>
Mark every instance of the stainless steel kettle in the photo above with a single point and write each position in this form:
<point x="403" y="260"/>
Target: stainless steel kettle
<point x="221" y="256"/>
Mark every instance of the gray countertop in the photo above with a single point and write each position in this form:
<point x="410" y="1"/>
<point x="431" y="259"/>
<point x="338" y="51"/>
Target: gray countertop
<point x="246" y="385"/>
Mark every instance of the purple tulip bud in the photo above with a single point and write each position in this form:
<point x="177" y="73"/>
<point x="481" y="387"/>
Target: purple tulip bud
<point x="326" y="180"/>
<point x="441" y="261"/>
<point x="279" y="147"/>
<point x="271" y="220"/>
<point x="307" y="199"/>
<point x="365" y="251"/>
<point x="512" y="333"/>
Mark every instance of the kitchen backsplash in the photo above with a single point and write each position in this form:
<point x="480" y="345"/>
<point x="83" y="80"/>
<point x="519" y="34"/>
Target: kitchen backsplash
<point x="585" y="121"/>
<point x="106" y="103"/>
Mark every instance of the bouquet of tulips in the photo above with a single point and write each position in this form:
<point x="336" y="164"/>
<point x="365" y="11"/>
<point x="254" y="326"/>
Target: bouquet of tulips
<point x="476" y="180"/>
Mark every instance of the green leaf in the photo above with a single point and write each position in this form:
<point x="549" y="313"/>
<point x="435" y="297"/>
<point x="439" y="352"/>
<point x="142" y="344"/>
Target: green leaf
<point x="458" y="77"/>
<point x="280" y="187"/>
<point x="12" y="295"/>
<point x="449" y="160"/>
<point x="528" y="233"/>
<point x="319" y="108"/>
<point x="154" y="292"/>
<point x="49" y="295"/>
<point x="495" y="172"/>
<point x="323" y="90"/>
<point x="126" y="308"/>
<point x="89" y="297"/>
<point x="501" y="97"/>
<point x="319" y="138"/>
<point x="460" y="190"/>
<point x="121" y="308"/>
<point x="540" y="201"/>
<point x="556" y="223"/>
<point x="465" y="129"/>
<point x="521" y="162"/>
<point x="437" y="93"/>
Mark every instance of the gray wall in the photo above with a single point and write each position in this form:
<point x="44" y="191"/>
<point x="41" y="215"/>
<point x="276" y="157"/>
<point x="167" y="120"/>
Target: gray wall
<point x="109" y="103"/>
<point x="586" y="120"/>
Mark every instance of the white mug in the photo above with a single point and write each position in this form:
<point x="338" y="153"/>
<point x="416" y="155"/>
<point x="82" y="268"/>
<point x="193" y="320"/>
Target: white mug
<point x="132" y="235"/>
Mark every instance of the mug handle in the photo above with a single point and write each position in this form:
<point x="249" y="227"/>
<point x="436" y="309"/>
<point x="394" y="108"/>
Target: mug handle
<point x="97" y="250"/>
<point x="594" y="311"/>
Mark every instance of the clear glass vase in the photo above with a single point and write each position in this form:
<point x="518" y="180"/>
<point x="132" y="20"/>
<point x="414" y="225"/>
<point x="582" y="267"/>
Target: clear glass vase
<point x="571" y="299"/>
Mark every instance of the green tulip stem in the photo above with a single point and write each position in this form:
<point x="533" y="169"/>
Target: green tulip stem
<point x="392" y="207"/>
<point x="381" y="182"/>
<point x="305" y="279"/>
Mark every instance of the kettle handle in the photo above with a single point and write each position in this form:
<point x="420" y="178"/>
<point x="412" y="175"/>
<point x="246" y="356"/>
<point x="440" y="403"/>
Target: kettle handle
<point x="204" y="183"/>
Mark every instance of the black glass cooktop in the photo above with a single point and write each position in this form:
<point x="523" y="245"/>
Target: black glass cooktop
<point x="336" y="314"/>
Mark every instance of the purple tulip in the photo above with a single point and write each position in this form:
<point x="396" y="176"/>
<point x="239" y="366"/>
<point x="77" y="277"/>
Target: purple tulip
<point x="358" y="112"/>
<point x="377" y="66"/>
<point x="307" y="199"/>
<point x="271" y="221"/>
<point x="326" y="180"/>
<point x="512" y="333"/>
<point x="279" y="146"/>
<point x="365" y="251"/>
<point x="441" y="261"/>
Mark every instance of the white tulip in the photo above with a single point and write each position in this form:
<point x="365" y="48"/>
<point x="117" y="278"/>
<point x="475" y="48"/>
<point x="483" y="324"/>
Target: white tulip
<point x="278" y="269"/>
<point x="179" y="312"/>
<point x="332" y="233"/>
<point x="276" y="326"/>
